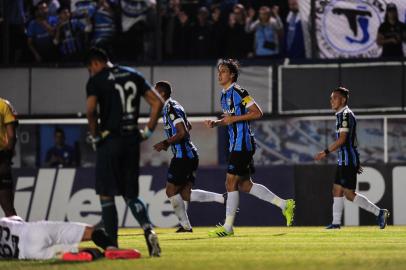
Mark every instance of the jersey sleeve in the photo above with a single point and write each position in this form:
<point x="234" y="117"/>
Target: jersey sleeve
<point x="246" y="99"/>
<point x="9" y="114"/>
<point x="143" y="84"/>
<point x="175" y="116"/>
<point x="91" y="88"/>
<point x="344" y="126"/>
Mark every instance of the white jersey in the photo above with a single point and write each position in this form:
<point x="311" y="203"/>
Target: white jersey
<point x="38" y="240"/>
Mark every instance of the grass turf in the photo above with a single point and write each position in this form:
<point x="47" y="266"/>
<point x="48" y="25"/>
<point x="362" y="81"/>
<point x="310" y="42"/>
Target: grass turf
<point x="255" y="248"/>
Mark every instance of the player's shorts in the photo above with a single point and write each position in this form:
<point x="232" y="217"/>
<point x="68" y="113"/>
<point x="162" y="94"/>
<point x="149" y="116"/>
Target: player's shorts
<point x="117" y="166"/>
<point x="241" y="163"/>
<point x="346" y="176"/>
<point x="6" y="181"/>
<point x="182" y="171"/>
<point x="46" y="239"/>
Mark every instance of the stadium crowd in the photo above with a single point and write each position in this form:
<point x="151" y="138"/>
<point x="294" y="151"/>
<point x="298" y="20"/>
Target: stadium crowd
<point x="150" y="30"/>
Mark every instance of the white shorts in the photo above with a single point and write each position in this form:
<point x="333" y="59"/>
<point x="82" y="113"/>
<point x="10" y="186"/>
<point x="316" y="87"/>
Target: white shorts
<point x="47" y="239"/>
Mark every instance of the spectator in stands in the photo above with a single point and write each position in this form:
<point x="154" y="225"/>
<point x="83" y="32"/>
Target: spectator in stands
<point x="83" y="10"/>
<point x="169" y="18"/>
<point x="70" y="36"/>
<point x="237" y="39"/>
<point x="14" y="13"/>
<point x="391" y="33"/>
<point x="219" y="30"/>
<point x="53" y="7"/>
<point x="294" y="42"/>
<point x="202" y="35"/>
<point x="104" y="26"/>
<point x="138" y="24"/>
<point x="40" y="34"/>
<point x="183" y="36"/>
<point x="61" y="154"/>
<point x="268" y="31"/>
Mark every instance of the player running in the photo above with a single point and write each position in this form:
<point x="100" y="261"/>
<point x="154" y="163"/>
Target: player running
<point x="182" y="170"/>
<point x="117" y="91"/>
<point x="43" y="240"/>
<point x="348" y="162"/>
<point x="239" y="109"/>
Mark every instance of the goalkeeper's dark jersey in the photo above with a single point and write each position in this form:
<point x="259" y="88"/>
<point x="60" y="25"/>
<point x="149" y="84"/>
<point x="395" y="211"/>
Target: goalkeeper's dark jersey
<point x="345" y="122"/>
<point x="118" y="90"/>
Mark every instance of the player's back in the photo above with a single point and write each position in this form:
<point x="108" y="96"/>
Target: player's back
<point x="118" y="90"/>
<point x="11" y="232"/>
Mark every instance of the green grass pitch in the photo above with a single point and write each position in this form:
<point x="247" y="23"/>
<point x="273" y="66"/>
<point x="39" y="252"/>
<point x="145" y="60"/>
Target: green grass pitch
<point x="267" y="248"/>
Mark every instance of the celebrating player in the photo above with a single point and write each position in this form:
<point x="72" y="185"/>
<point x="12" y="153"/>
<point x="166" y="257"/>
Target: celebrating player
<point x="182" y="170"/>
<point x="43" y="240"/>
<point x="117" y="91"/>
<point x="8" y="123"/>
<point x="239" y="109"/>
<point x="348" y="162"/>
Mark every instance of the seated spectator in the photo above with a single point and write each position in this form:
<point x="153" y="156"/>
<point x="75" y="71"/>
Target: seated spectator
<point x="60" y="155"/>
<point x="237" y="39"/>
<point x="69" y="36"/>
<point x="391" y="33"/>
<point x="268" y="31"/>
<point x="202" y="32"/>
<point x="40" y="33"/>
<point x="104" y="27"/>
<point x="294" y="42"/>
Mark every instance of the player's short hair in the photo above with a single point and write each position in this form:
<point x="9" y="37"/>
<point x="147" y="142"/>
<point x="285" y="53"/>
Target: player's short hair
<point x="344" y="92"/>
<point x="232" y="64"/>
<point x="96" y="54"/>
<point x="164" y="86"/>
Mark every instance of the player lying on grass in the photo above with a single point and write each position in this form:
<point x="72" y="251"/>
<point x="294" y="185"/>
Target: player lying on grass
<point x="182" y="170"/>
<point x="43" y="240"/>
<point x="348" y="163"/>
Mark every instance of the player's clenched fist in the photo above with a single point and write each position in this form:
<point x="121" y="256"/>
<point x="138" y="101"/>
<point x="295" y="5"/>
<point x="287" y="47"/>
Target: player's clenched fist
<point x="209" y="123"/>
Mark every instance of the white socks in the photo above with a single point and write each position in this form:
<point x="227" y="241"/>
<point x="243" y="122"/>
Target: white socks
<point x="231" y="208"/>
<point x="180" y="211"/>
<point x="338" y="208"/>
<point x="366" y="204"/>
<point x="199" y="195"/>
<point x="265" y="194"/>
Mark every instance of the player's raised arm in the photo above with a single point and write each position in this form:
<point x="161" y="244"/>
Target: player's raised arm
<point x="156" y="103"/>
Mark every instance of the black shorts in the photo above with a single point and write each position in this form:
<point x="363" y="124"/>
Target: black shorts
<point x="6" y="181"/>
<point x="182" y="171"/>
<point x="346" y="176"/>
<point x="241" y="163"/>
<point x="117" y="166"/>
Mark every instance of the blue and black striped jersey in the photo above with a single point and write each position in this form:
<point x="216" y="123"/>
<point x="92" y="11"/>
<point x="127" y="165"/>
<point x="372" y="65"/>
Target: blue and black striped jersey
<point x="347" y="154"/>
<point x="172" y="114"/>
<point x="235" y="101"/>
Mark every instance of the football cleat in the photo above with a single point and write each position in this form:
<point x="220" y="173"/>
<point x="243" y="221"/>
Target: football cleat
<point x="183" y="230"/>
<point x="220" y="231"/>
<point x="289" y="212"/>
<point x="383" y="218"/>
<point x="114" y="254"/>
<point x="333" y="226"/>
<point x="81" y="256"/>
<point x="152" y="242"/>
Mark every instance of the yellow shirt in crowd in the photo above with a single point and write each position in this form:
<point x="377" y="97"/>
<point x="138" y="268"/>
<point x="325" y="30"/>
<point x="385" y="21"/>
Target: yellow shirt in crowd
<point x="7" y="115"/>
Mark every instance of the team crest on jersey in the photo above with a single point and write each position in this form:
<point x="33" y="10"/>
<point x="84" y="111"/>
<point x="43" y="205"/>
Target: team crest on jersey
<point x="229" y="102"/>
<point x="345" y="124"/>
<point x="172" y="116"/>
